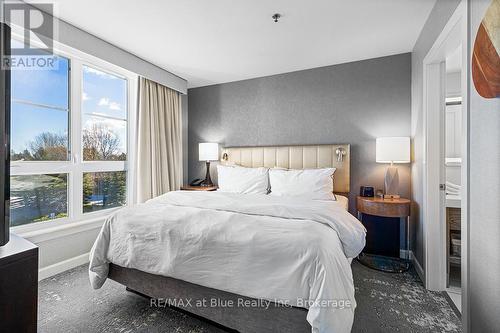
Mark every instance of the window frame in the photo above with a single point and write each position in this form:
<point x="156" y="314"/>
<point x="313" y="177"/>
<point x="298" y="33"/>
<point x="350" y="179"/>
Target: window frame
<point x="76" y="166"/>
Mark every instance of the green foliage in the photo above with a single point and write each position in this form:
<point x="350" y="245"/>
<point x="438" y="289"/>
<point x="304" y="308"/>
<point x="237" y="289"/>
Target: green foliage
<point x="88" y="186"/>
<point x="45" y="146"/>
<point x="44" y="197"/>
<point x="104" y="190"/>
<point x="47" y="218"/>
<point x="99" y="142"/>
<point x="38" y="197"/>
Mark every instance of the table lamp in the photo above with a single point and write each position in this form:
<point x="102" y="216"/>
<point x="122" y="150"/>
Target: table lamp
<point x="392" y="150"/>
<point x="208" y="151"/>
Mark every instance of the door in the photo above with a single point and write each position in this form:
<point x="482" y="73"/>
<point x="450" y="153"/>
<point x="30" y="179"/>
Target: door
<point x="435" y="194"/>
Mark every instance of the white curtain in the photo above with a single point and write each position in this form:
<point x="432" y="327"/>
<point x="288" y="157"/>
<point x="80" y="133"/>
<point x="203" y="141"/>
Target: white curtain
<point x="159" y="152"/>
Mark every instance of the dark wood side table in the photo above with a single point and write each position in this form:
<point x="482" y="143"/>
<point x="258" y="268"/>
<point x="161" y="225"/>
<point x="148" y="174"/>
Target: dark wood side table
<point x="198" y="188"/>
<point x="18" y="286"/>
<point x="392" y="208"/>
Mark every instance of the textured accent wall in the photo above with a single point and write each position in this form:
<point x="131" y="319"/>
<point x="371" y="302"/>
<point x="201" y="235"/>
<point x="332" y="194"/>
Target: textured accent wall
<point x="347" y="103"/>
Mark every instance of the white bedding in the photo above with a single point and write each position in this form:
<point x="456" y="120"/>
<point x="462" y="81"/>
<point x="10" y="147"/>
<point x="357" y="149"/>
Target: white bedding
<point x="343" y="201"/>
<point x="272" y="248"/>
<point x="314" y="184"/>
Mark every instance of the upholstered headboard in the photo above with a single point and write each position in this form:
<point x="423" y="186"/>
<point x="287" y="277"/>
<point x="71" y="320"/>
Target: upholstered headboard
<point x="296" y="157"/>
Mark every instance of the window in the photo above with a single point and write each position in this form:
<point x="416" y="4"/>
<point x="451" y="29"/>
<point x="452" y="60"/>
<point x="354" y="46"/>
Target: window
<point x="37" y="198"/>
<point x="104" y="139"/>
<point x="70" y="139"/>
<point x="103" y="190"/>
<point x="40" y="113"/>
<point x="39" y="132"/>
<point x="104" y="116"/>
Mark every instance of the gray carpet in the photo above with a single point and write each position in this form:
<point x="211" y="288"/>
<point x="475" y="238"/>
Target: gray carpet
<point x="386" y="303"/>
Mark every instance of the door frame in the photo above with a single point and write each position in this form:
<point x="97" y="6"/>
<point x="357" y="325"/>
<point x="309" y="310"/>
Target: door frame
<point x="453" y="34"/>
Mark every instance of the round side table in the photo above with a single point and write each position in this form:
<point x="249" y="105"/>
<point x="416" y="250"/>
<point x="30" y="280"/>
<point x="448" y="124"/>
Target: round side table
<point x="397" y="208"/>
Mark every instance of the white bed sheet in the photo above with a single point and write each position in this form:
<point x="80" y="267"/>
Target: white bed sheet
<point x="272" y="248"/>
<point x="343" y="201"/>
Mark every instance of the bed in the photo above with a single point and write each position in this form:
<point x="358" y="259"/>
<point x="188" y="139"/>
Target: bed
<point x="252" y="263"/>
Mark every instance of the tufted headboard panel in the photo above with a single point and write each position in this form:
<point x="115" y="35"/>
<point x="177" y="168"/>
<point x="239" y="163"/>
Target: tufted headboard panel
<point x="296" y="157"/>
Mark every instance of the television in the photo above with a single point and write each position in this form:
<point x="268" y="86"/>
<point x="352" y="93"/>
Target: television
<point x="4" y="136"/>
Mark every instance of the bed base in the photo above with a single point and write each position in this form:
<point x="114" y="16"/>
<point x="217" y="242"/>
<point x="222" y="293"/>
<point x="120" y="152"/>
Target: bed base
<point x="258" y="319"/>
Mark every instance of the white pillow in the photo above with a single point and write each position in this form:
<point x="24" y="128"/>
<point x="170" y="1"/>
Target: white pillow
<point x="236" y="179"/>
<point x="316" y="184"/>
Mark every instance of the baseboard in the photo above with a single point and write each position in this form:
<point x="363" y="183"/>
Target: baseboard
<point x="62" y="266"/>
<point x="447" y="294"/>
<point x="418" y="268"/>
<point x="402" y="254"/>
<point x="416" y="264"/>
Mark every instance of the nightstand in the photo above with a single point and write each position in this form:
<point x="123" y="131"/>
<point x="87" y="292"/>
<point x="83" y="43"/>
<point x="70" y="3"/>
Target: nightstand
<point x="198" y="188"/>
<point x="387" y="210"/>
<point x="18" y="285"/>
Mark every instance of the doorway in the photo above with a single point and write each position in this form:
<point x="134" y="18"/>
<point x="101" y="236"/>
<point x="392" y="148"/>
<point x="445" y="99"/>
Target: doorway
<point x="445" y="159"/>
<point x="453" y="175"/>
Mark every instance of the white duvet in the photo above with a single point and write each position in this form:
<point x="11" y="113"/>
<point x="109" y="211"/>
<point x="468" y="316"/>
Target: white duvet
<point x="271" y="248"/>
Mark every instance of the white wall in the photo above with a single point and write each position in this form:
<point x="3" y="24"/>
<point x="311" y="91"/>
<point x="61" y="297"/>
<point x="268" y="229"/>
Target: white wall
<point x="453" y="84"/>
<point x="453" y="131"/>
<point x="453" y="122"/>
<point x="454" y="174"/>
<point x="484" y="199"/>
<point x="63" y="247"/>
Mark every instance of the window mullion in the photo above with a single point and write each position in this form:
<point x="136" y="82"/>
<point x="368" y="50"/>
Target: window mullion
<point x="104" y="166"/>
<point x="39" y="167"/>
<point x="76" y="187"/>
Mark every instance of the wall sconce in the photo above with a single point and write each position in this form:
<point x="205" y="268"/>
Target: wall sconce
<point x="340" y="154"/>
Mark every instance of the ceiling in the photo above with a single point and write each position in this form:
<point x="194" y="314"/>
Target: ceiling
<point x="216" y="41"/>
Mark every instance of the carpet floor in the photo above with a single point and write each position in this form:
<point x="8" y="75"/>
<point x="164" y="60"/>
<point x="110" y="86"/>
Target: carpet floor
<point x="386" y="303"/>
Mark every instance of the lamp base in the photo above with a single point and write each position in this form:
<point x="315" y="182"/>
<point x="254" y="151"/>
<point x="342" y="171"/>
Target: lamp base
<point x="391" y="182"/>
<point x="208" y="180"/>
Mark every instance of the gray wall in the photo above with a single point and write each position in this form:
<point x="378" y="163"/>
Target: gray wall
<point x="484" y="200"/>
<point x="436" y="21"/>
<point x="348" y="103"/>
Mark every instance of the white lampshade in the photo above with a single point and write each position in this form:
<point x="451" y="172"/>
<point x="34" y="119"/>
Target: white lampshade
<point x="393" y="150"/>
<point x="208" y="151"/>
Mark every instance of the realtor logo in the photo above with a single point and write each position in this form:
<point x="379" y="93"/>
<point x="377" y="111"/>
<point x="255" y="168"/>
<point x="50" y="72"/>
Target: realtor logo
<point x="32" y="30"/>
